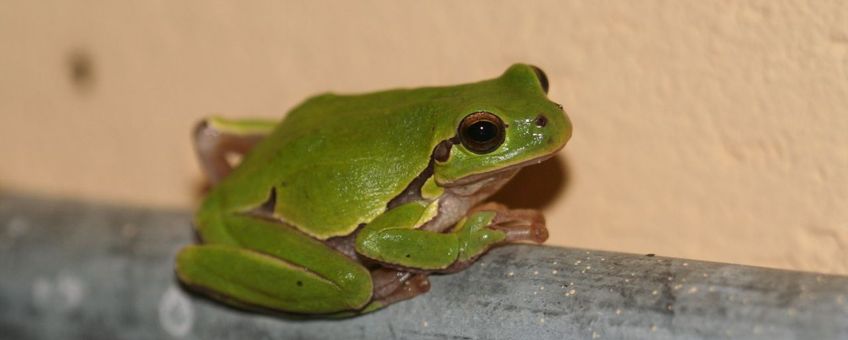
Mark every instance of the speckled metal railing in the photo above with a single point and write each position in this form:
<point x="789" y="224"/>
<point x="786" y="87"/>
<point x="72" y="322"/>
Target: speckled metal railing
<point x="74" y="270"/>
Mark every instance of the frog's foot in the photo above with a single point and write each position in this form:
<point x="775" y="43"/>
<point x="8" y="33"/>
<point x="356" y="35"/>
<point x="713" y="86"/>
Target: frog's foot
<point x="391" y="286"/>
<point x="518" y="224"/>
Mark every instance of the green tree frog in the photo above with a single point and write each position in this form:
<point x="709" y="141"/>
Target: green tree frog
<point x="348" y="203"/>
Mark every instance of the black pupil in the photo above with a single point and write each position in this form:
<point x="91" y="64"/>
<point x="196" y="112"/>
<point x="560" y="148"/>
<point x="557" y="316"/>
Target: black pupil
<point x="482" y="131"/>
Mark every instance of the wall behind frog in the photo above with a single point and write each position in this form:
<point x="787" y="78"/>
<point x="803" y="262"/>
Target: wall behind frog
<point x="711" y="130"/>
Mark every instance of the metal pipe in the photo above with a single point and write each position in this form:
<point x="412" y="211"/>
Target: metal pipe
<point x="77" y="270"/>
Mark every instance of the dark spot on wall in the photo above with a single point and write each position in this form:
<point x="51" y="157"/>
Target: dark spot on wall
<point x="81" y="70"/>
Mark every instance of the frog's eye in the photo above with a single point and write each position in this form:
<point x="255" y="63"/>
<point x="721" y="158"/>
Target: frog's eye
<point x="481" y="132"/>
<point x="543" y="78"/>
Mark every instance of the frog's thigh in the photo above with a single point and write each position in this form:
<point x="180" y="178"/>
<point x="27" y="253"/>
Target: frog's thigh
<point x="215" y="138"/>
<point x="248" y="278"/>
<point x="247" y="258"/>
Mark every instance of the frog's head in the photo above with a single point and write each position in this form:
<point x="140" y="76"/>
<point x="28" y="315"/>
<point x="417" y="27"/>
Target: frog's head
<point x="500" y="125"/>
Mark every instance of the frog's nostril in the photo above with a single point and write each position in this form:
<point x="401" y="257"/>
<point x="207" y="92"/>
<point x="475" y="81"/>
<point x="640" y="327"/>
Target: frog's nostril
<point x="541" y="120"/>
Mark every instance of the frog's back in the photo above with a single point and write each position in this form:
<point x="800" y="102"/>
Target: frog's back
<point x="336" y="161"/>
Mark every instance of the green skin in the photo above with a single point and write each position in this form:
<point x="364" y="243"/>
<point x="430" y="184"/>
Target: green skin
<point x="333" y="164"/>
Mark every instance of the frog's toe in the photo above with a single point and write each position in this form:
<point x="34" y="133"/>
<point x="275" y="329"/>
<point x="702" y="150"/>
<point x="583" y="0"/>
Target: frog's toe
<point x="521" y="225"/>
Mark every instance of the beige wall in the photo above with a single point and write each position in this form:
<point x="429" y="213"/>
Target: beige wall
<point x="704" y="129"/>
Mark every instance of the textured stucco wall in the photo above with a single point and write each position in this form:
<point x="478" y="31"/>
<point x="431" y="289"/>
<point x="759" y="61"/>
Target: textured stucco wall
<point x="714" y="130"/>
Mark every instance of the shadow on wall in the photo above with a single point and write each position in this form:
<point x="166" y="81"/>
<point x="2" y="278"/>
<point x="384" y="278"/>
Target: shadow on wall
<point x="536" y="187"/>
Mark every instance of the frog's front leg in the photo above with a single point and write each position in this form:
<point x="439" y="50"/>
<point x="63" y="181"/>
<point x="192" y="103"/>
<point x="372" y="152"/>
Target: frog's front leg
<point x="215" y="138"/>
<point x="518" y="224"/>
<point x="394" y="238"/>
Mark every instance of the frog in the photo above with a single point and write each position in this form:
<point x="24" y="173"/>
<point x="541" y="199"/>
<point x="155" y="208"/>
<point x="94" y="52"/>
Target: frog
<point x="351" y="201"/>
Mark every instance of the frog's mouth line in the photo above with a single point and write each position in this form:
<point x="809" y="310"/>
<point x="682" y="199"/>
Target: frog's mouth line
<point x="480" y="176"/>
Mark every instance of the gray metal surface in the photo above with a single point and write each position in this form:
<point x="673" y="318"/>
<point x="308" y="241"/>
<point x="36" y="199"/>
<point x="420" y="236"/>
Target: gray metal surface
<point x="74" y="270"/>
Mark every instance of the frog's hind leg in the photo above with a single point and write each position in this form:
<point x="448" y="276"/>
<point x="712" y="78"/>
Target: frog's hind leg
<point x="269" y="265"/>
<point x="216" y="138"/>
